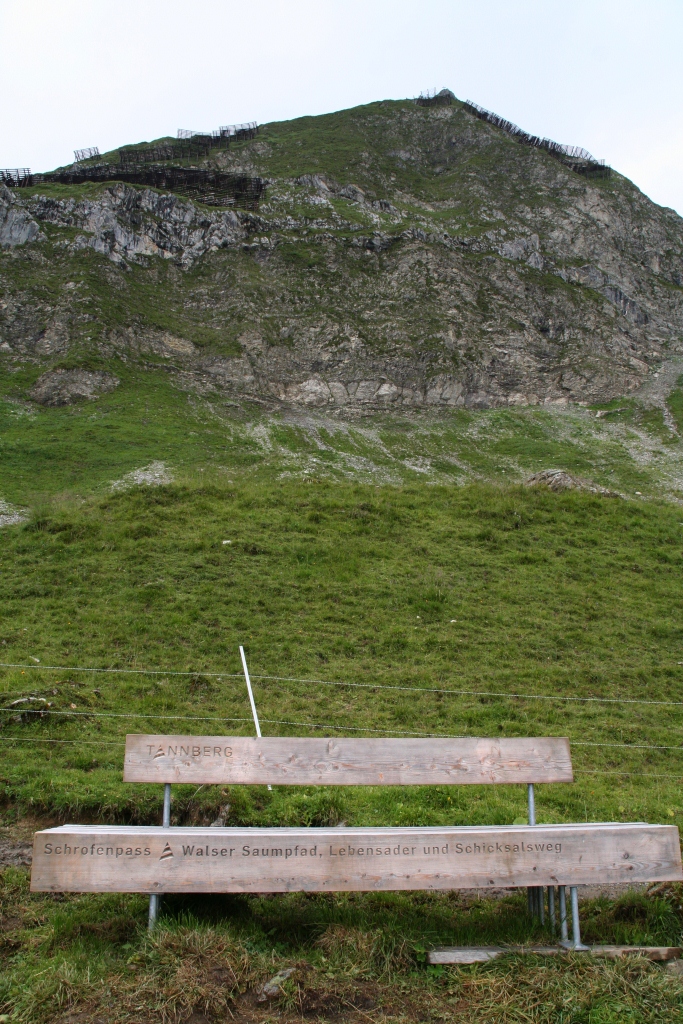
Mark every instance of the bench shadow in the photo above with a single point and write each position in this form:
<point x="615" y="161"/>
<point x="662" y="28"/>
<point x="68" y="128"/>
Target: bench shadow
<point x="299" y="919"/>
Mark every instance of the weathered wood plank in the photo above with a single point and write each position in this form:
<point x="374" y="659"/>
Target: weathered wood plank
<point x="301" y="761"/>
<point x="466" y="954"/>
<point x="79" y="858"/>
<point x="482" y="954"/>
<point x="656" y="953"/>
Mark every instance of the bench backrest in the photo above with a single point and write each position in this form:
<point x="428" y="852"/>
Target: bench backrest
<point x="301" y="761"/>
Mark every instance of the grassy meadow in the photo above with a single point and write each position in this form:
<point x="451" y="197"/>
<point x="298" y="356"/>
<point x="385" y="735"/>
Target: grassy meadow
<point x="385" y="578"/>
<point x="483" y="607"/>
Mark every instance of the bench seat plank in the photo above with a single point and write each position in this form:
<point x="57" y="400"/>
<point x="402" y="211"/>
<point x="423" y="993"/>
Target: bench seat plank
<point x="80" y="858"/>
<point x="482" y="954"/>
<point x="301" y="761"/>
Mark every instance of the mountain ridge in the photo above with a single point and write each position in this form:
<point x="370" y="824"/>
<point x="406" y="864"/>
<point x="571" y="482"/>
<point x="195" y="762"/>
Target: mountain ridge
<point x="404" y="257"/>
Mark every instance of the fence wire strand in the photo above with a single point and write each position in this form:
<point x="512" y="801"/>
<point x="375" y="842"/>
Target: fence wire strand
<point x="40" y="712"/>
<point x="362" y="686"/>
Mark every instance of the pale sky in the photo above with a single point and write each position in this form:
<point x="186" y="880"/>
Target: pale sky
<point x="603" y="74"/>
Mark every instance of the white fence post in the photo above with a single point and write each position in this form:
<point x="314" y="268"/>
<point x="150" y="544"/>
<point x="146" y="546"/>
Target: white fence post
<point x="251" y="696"/>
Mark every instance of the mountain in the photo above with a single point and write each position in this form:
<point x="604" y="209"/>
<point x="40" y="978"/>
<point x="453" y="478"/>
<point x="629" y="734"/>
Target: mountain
<point x="402" y="256"/>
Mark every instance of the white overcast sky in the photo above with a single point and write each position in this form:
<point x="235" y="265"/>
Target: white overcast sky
<point x="603" y="74"/>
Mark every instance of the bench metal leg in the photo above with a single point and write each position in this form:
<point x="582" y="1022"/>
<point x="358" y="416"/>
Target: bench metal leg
<point x="532" y="895"/>
<point x="564" y="936"/>
<point x="166" y="821"/>
<point x="551" y="908"/>
<point x="153" y="912"/>
<point x="576" y="931"/>
<point x="535" y="893"/>
<point x="535" y="901"/>
<point x="155" y="900"/>
<point x="576" y="943"/>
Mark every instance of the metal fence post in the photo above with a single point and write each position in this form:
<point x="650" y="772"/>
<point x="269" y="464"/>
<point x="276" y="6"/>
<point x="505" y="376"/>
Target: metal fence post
<point x="155" y="899"/>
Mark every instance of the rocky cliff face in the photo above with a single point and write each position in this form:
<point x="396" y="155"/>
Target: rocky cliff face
<point x="404" y="257"/>
<point x="124" y="223"/>
<point x="17" y="227"/>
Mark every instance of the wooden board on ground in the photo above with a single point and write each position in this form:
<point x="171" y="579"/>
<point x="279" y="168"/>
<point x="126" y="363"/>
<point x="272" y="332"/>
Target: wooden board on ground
<point x="482" y="954"/>
<point x="94" y="858"/>
<point x="302" y="761"/>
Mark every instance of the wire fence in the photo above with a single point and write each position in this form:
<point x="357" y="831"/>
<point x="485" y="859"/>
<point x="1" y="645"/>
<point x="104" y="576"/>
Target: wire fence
<point x="26" y="714"/>
<point x="328" y="682"/>
<point x="142" y="716"/>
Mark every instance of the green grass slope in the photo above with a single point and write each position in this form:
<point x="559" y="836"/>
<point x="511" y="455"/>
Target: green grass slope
<point x="522" y="594"/>
<point x="155" y="414"/>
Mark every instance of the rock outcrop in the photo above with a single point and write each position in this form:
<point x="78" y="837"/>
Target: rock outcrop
<point x="559" y="480"/>
<point x="10" y="515"/>
<point x="64" y="387"/>
<point x="17" y="226"/>
<point x="126" y="223"/>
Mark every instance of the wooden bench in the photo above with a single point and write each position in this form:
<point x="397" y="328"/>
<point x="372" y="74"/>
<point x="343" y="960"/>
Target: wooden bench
<point x="162" y="860"/>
